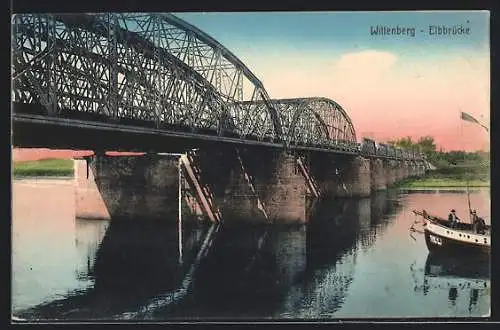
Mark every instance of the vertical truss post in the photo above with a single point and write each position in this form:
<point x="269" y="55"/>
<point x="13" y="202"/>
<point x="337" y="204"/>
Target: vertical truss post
<point x="156" y="26"/>
<point x="239" y="88"/>
<point x="113" y="67"/>
<point x="14" y="51"/>
<point x="51" y="67"/>
<point x="218" y="79"/>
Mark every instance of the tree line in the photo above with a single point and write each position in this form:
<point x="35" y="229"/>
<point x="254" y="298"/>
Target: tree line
<point x="439" y="158"/>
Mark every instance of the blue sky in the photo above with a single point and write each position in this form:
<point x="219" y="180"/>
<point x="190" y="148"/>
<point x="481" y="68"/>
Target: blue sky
<point x="339" y="31"/>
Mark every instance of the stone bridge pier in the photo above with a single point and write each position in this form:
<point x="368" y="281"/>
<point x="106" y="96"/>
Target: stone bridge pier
<point x="421" y="169"/>
<point x="126" y="187"/>
<point x="256" y="186"/>
<point x="405" y="169"/>
<point x="267" y="189"/>
<point x="390" y="171"/>
<point x="411" y="168"/>
<point x="342" y="176"/>
<point x="241" y="185"/>
<point x="400" y="171"/>
<point x="378" y="175"/>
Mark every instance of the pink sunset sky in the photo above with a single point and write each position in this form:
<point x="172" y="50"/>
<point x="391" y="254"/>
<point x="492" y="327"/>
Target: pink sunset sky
<point x="391" y="86"/>
<point x="391" y="97"/>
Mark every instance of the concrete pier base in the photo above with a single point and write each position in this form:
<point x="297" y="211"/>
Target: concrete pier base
<point x="285" y="191"/>
<point x="355" y="179"/>
<point x="89" y="203"/>
<point x="377" y="175"/>
<point x="271" y="188"/>
<point x="390" y="172"/>
<point x="127" y="187"/>
<point x="241" y="201"/>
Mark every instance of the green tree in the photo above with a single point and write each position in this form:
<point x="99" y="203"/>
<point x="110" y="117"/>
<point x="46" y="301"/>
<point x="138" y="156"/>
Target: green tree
<point x="439" y="158"/>
<point x="405" y="142"/>
<point x="427" y="145"/>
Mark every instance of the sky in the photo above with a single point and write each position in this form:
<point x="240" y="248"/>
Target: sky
<point x="391" y="86"/>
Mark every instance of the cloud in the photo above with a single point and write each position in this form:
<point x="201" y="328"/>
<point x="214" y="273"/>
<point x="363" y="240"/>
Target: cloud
<point x="364" y="66"/>
<point x="385" y="94"/>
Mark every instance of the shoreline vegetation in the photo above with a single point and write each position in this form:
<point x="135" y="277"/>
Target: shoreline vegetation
<point x="44" y="168"/>
<point x="427" y="182"/>
<point x="454" y="169"/>
<point x="451" y="177"/>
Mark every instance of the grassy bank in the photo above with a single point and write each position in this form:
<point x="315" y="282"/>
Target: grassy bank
<point x="451" y="176"/>
<point x="441" y="183"/>
<point x="45" y="167"/>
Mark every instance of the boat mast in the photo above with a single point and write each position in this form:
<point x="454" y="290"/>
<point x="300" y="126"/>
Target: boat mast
<point x="468" y="199"/>
<point x="466" y="176"/>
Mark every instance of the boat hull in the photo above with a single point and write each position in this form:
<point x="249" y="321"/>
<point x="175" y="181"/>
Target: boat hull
<point x="437" y="243"/>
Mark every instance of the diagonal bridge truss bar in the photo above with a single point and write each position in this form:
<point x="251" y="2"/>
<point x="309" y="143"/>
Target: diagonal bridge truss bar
<point x="118" y="66"/>
<point x="315" y="121"/>
<point x="155" y="70"/>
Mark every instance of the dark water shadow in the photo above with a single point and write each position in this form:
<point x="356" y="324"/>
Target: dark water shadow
<point x="136" y="260"/>
<point x="249" y="271"/>
<point x="254" y="271"/>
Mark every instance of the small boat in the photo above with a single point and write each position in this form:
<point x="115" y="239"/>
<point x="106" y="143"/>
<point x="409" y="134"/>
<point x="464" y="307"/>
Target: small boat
<point x="441" y="237"/>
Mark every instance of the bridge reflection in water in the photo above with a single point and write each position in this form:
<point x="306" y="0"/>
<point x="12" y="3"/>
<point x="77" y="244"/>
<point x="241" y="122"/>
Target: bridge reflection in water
<point x="246" y="271"/>
<point x="130" y="269"/>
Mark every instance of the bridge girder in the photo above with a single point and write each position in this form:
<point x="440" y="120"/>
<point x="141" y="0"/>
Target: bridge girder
<point x="119" y="66"/>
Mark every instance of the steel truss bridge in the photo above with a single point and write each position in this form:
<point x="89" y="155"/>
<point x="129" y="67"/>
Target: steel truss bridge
<point x="155" y="73"/>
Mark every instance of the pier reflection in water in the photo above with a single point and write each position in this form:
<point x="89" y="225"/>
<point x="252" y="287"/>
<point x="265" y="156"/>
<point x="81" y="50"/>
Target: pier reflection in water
<point x="351" y="256"/>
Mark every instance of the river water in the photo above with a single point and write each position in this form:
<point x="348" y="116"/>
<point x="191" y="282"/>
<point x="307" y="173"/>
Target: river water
<point x="355" y="258"/>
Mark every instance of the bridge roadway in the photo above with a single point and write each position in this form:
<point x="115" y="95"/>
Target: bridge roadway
<point x="31" y="131"/>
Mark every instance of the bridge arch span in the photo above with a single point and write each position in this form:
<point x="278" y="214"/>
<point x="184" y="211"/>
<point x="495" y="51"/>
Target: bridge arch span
<point x="125" y="65"/>
<point x="317" y="120"/>
<point x="232" y="79"/>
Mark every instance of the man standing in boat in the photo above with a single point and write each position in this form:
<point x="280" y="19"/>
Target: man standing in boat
<point x="475" y="220"/>
<point x="453" y="219"/>
<point x="478" y="224"/>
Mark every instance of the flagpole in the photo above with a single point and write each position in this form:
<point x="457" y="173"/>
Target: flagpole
<point x="467" y="117"/>
<point x="466" y="176"/>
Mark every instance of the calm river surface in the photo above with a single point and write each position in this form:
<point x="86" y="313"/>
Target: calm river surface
<point x="356" y="258"/>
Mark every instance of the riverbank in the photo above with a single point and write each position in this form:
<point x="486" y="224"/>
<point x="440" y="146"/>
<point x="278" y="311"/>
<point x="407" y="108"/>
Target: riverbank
<point x="45" y="168"/>
<point x="450" y="177"/>
<point x="442" y="183"/>
<point x="43" y="179"/>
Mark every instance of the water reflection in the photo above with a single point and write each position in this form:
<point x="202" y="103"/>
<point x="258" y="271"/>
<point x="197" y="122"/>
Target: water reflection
<point x="88" y="236"/>
<point x="463" y="278"/>
<point x="352" y="254"/>
<point x="51" y="253"/>
<point x="131" y="263"/>
<point x="338" y="231"/>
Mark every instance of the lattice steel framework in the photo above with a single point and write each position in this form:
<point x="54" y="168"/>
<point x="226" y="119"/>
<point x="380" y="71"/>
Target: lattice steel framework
<point x="316" y="121"/>
<point x="152" y="68"/>
<point x="159" y="71"/>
